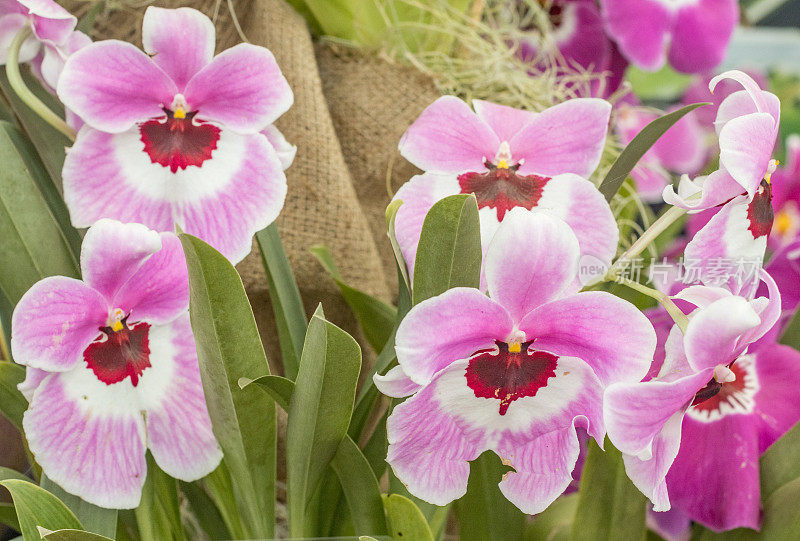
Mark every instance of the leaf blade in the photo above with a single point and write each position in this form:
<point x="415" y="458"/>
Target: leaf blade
<point x="229" y="347"/>
<point x="637" y="148"/>
<point x="36" y="507"/>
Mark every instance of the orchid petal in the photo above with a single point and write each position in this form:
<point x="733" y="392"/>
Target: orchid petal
<point x="746" y="144"/>
<point x="448" y="137"/>
<point x="181" y="41"/>
<point x="701" y="34"/>
<point x="395" y="383"/>
<point x="531" y="260"/>
<point x="446" y="328"/>
<point x="242" y="88"/>
<point x="505" y="121"/>
<point x="54" y="322"/>
<point x="641" y="29"/>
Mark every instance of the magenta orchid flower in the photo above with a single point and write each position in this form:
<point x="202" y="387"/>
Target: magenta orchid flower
<point x="692" y="34"/>
<point x="786" y="197"/>
<point x="580" y="38"/>
<point x="176" y="136"/>
<point x="706" y="376"/>
<point x="680" y="150"/>
<point x="112" y="368"/>
<point x="513" y="372"/>
<point x="509" y="158"/>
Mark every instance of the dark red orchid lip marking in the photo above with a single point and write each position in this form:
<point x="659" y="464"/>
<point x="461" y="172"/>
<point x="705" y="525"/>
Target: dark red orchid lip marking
<point x="124" y="353"/>
<point x="714" y="394"/>
<point x="501" y="188"/>
<point x="759" y="212"/>
<point x="507" y="375"/>
<point x="178" y="143"/>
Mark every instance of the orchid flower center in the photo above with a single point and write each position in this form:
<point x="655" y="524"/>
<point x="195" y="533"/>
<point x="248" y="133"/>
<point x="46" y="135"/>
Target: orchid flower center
<point x="501" y="187"/>
<point x="730" y="390"/>
<point x="119" y="351"/>
<point x="787" y="221"/>
<point x="179" y="140"/>
<point x="759" y="212"/>
<point x="511" y="371"/>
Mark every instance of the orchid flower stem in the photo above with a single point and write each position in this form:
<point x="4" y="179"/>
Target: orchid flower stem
<point x="663" y="299"/>
<point x="658" y="227"/>
<point x="24" y="93"/>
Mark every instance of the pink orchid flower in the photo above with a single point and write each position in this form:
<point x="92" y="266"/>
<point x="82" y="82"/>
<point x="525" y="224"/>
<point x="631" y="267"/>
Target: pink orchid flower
<point x="513" y="372"/>
<point x="580" y="38"/>
<point x="680" y="150"/>
<point x="112" y="368"/>
<point x="692" y="34"/>
<point x="51" y="24"/>
<point x="175" y="137"/>
<point x="509" y="158"/>
<point x="786" y="197"/>
<point x="54" y="36"/>
<point x="698" y="92"/>
<point x="747" y="124"/>
<point x="707" y="375"/>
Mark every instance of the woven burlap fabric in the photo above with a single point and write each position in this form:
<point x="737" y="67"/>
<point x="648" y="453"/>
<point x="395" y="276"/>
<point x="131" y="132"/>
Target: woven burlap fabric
<point x="372" y="101"/>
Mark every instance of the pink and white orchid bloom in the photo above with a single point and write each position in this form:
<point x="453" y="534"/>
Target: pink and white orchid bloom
<point x="680" y="150"/>
<point x="509" y="158"/>
<point x="747" y="124"/>
<point x="692" y="34"/>
<point x="706" y="376"/>
<point x="513" y="372"/>
<point x="112" y="368"/>
<point x="176" y="136"/>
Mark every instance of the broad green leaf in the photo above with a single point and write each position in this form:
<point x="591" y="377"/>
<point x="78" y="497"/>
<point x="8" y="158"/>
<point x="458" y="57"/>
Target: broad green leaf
<point x="779" y="465"/>
<point x="279" y="388"/>
<point x="360" y="487"/>
<point x="319" y="411"/>
<point x="94" y="519"/>
<point x="228" y="348"/>
<point x="159" y="513"/>
<point x="34" y="246"/>
<point x="220" y="489"/>
<point x="290" y="315"/>
<point x="8" y="516"/>
<point x="37" y="507"/>
<point x="609" y="506"/>
<point x="483" y="512"/>
<point x="72" y="535"/>
<point x="8" y="473"/>
<point x="375" y="316"/>
<point x="637" y="148"/>
<point x="555" y="522"/>
<point x="359" y="484"/>
<point x="12" y="403"/>
<point x="205" y="511"/>
<point x="449" y="252"/>
<point x="405" y="520"/>
<point x="48" y="141"/>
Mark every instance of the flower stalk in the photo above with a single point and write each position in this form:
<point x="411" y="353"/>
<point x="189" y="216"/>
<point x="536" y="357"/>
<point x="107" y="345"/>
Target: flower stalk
<point x="652" y="232"/>
<point x="24" y="93"/>
<point x="663" y="299"/>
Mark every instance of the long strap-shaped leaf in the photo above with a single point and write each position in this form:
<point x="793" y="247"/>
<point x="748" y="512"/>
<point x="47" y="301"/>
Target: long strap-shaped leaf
<point x="34" y="244"/>
<point x="319" y="411"/>
<point x="229" y="347"/>
<point x="609" y="506"/>
<point x="12" y="403"/>
<point x="38" y="508"/>
<point x="637" y="148"/>
<point x="287" y="305"/>
<point x="359" y="484"/>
